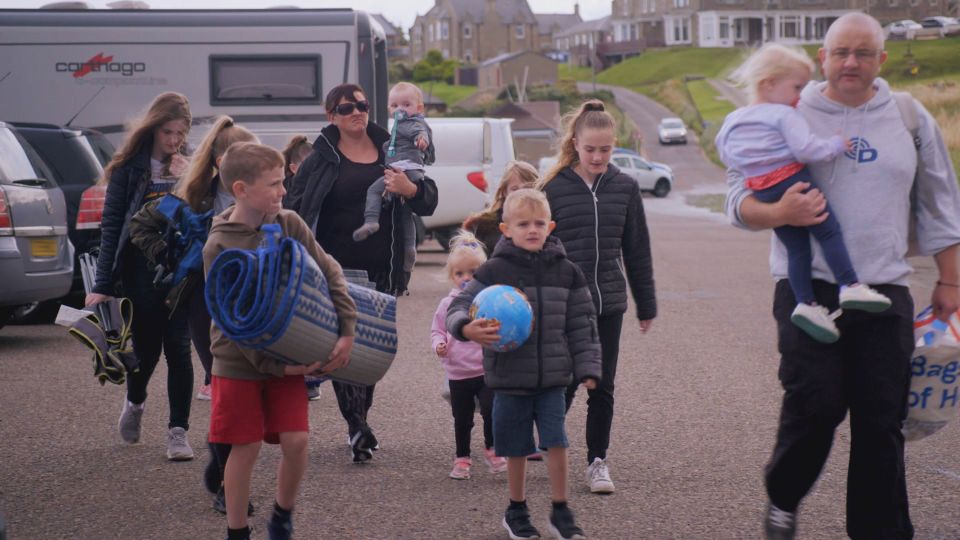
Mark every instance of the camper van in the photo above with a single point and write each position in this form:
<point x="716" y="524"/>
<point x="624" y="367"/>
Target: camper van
<point x="265" y="68"/>
<point x="268" y="69"/>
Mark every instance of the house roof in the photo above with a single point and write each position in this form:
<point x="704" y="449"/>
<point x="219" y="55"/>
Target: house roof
<point x="388" y="28"/>
<point x="511" y="11"/>
<point x="596" y="25"/>
<point x="530" y="116"/>
<point x="501" y="58"/>
<point x="546" y="22"/>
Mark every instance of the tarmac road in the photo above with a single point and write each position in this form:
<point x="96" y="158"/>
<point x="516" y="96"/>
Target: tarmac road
<point x="697" y="406"/>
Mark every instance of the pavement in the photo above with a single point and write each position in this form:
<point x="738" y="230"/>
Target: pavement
<point x="697" y="405"/>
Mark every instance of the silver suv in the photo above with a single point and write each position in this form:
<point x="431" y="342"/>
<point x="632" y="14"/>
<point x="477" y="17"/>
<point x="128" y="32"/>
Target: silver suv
<point x="36" y="258"/>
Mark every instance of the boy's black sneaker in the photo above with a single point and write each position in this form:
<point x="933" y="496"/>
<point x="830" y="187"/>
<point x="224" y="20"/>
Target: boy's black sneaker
<point x="363" y="443"/>
<point x="220" y="503"/>
<point x="517" y="523"/>
<point x="563" y="526"/>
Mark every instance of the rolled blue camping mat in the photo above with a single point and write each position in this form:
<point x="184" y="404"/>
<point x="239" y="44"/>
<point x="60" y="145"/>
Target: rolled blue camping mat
<point x="275" y="299"/>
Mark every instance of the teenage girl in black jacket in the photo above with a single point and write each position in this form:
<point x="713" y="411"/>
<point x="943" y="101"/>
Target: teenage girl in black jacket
<point x="144" y="170"/>
<point x="600" y="220"/>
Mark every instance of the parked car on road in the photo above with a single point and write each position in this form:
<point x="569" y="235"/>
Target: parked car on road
<point x="672" y="130"/>
<point x="947" y="26"/>
<point x="905" y="29"/>
<point x="652" y="177"/>
<point x="36" y="257"/>
<point x="76" y="158"/>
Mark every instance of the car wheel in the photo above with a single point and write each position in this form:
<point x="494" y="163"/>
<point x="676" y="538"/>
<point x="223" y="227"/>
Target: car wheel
<point x="5" y="313"/>
<point x="661" y="188"/>
<point x="35" y="313"/>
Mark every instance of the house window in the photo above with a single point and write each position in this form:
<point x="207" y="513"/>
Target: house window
<point x="894" y="3"/>
<point x="520" y="31"/>
<point x="680" y="29"/>
<point x="724" y="28"/>
<point x="468" y="56"/>
<point x="257" y="80"/>
<point x="430" y="33"/>
<point x="789" y="27"/>
<point x="934" y="2"/>
<point x="914" y="3"/>
<point x="681" y="3"/>
<point x="467" y="31"/>
<point x="444" y="29"/>
<point x="634" y="32"/>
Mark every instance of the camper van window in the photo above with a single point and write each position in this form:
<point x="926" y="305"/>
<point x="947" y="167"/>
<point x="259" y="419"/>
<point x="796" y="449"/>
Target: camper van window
<point x="258" y="80"/>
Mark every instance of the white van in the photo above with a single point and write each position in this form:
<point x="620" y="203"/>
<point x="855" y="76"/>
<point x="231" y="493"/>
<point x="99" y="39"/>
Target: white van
<point x="265" y="68"/>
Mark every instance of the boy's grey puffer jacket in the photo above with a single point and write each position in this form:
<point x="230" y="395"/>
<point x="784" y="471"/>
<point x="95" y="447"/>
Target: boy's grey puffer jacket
<point x="564" y="346"/>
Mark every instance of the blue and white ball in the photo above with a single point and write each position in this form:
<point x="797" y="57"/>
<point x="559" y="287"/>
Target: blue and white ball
<point x="509" y="308"/>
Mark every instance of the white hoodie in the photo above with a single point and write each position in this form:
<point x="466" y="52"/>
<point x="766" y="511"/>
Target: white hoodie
<point x="868" y="189"/>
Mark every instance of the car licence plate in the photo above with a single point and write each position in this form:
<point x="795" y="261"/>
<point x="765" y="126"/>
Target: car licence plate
<point x="43" y="247"/>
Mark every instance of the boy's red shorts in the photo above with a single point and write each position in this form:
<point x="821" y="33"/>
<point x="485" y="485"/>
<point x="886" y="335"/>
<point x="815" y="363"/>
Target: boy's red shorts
<point x="245" y="412"/>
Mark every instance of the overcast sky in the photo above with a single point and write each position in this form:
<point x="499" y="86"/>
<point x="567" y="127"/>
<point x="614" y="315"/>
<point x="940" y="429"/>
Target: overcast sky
<point x="400" y="12"/>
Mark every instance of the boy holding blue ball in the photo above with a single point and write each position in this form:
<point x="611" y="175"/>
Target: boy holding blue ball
<point x="529" y="382"/>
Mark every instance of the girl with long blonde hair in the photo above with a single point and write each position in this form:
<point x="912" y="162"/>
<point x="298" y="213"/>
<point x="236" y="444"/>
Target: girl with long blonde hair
<point x="485" y="224"/>
<point x="600" y="220"/>
<point x="144" y="170"/>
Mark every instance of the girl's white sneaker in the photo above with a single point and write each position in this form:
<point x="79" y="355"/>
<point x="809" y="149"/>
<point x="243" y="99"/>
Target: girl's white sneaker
<point x="863" y="297"/>
<point x="817" y="322"/>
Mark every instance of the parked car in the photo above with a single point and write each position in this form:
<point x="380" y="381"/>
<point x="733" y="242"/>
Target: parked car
<point x="76" y="158"/>
<point x="653" y="177"/>
<point x="672" y="130"/>
<point x="905" y="29"/>
<point x="36" y="257"/>
<point x="947" y="26"/>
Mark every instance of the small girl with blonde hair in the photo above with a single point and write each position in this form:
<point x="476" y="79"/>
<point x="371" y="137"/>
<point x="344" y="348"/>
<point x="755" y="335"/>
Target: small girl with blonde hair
<point x="770" y="143"/>
<point x="486" y="224"/>
<point x="463" y="362"/>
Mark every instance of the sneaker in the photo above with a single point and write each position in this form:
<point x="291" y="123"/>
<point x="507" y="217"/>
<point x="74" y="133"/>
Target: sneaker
<point x="495" y="463"/>
<point x="313" y="392"/>
<point x="461" y="469"/>
<point x="363" y="443"/>
<point x="279" y="528"/>
<point x="178" y="449"/>
<point x="598" y="477"/>
<point x="220" y="503"/>
<point x="129" y="424"/>
<point x="517" y="523"/>
<point x="779" y="524"/>
<point x="817" y="322"/>
<point x="204" y="393"/>
<point x="863" y="297"/>
<point x="563" y="526"/>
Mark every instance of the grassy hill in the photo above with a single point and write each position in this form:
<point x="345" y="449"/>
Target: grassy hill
<point x="658" y="65"/>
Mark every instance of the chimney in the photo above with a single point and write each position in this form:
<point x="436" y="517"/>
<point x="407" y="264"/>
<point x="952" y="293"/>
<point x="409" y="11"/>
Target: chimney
<point x="576" y="9"/>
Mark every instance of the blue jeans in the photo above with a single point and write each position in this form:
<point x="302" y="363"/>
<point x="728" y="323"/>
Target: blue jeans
<point x="797" y="242"/>
<point x="514" y="417"/>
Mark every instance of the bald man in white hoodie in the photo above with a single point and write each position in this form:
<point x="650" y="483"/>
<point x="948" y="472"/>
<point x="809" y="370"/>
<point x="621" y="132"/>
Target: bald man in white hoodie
<point x="868" y="370"/>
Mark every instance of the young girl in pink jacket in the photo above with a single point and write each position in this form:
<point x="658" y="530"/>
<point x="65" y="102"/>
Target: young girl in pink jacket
<point x="463" y="363"/>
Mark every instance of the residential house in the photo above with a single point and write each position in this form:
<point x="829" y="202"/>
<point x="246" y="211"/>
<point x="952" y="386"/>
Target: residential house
<point x="475" y="30"/>
<point x="732" y="23"/>
<point x="397" y="47"/>
<point x="550" y="24"/>
<point x="583" y="40"/>
<point x="520" y="68"/>
<point x="535" y="128"/>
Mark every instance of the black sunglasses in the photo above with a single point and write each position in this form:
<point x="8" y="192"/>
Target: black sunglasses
<point x="344" y="109"/>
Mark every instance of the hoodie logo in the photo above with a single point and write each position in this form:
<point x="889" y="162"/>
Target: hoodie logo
<point x="862" y="152"/>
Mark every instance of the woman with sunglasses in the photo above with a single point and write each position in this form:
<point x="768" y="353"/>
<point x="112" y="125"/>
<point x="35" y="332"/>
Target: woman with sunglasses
<point x="328" y="192"/>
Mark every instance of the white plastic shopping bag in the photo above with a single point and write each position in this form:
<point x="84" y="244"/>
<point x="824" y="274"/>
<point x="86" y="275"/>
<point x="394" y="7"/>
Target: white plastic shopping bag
<point x="934" y="376"/>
